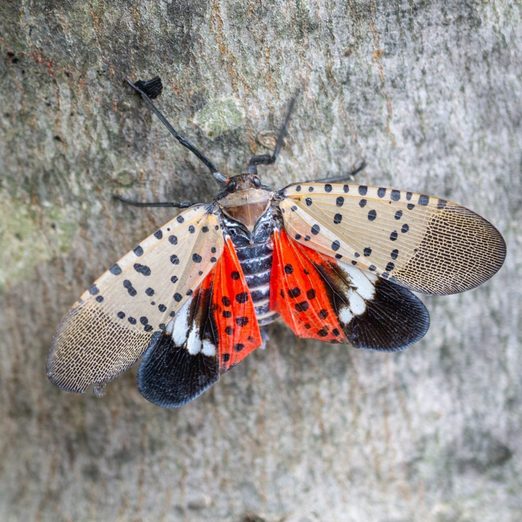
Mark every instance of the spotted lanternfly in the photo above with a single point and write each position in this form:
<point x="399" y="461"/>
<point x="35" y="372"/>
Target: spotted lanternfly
<point x="336" y="261"/>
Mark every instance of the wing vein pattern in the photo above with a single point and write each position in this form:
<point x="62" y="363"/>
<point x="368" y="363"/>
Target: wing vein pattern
<point x="424" y="243"/>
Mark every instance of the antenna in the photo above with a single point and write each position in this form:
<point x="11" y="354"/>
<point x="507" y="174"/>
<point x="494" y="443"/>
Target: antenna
<point x="152" y="88"/>
<point x="268" y="159"/>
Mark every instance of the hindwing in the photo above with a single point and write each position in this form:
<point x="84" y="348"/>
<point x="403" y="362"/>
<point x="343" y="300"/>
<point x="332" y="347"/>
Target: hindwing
<point x="322" y="298"/>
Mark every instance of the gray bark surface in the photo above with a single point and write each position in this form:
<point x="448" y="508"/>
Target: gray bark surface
<point x="427" y="92"/>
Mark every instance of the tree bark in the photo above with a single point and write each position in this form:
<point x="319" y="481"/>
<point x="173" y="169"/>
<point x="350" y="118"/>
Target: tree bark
<point x="427" y="92"/>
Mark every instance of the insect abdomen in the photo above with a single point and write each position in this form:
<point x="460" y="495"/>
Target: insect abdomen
<point x="256" y="262"/>
<point x="254" y="252"/>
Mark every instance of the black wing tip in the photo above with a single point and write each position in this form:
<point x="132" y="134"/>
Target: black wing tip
<point x="152" y="88"/>
<point x="170" y="377"/>
<point x="393" y="321"/>
<point x="158" y="397"/>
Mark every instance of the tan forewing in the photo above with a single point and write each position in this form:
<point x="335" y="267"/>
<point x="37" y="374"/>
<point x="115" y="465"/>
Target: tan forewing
<point x="425" y="243"/>
<point x="113" y="322"/>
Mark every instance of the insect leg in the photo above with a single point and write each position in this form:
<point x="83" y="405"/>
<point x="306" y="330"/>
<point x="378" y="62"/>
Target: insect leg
<point x="139" y="88"/>
<point x="169" y="204"/>
<point x="345" y="177"/>
<point x="268" y="159"/>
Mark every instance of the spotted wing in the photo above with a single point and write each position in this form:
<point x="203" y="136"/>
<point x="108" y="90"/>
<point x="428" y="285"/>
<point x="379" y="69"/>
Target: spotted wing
<point x="322" y="298"/>
<point x="297" y="291"/>
<point x="114" y="321"/>
<point x="424" y="243"/>
<point x="214" y="330"/>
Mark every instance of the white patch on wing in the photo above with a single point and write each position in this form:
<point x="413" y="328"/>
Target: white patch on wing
<point x="180" y="329"/>
<point x="363" y="282"/>
<point x="194" y="341"/>
<point x="208" y="348"/>
<point x="356" y="302"/>
<point x="170" y="327"/>
<point x="345" y="315"/>
<point x="371" y="277"/>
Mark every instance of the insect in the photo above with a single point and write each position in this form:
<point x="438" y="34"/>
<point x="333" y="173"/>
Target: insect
<point x="336" y="261"/>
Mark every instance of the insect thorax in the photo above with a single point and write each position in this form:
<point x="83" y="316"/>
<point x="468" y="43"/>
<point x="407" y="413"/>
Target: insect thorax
<point x="246" y="206"/>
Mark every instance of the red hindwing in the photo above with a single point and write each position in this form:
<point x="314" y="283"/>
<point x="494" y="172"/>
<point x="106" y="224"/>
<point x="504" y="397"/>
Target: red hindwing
<point x="298" y="293"/>
<point x="233" y="310"/>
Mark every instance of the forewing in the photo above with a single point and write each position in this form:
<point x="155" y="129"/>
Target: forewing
<point x="322" y="298"/>
<point x="214" y="330"/>
<point x="422" y="242"/>
<point x="113" y="322"/>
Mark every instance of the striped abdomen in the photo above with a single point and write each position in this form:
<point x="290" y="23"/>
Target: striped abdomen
<point x="256" y="261"/>
<point x="254" y="252"/>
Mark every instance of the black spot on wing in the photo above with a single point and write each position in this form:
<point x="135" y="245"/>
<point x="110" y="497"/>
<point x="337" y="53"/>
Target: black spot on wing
<point x="294" y="292"/>
<point x="170" y="377"/>
<point x="395" y="195"/>
<point x="242" y="297"/>
<point x="130" y="289"/>
<point x="142" y="269"/>
<point x="302" y="306"/>
<point x="115" y="269"/>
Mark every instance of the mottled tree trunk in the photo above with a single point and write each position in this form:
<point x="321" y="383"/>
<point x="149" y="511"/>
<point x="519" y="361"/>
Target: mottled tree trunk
<point x="427" y="92"/>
